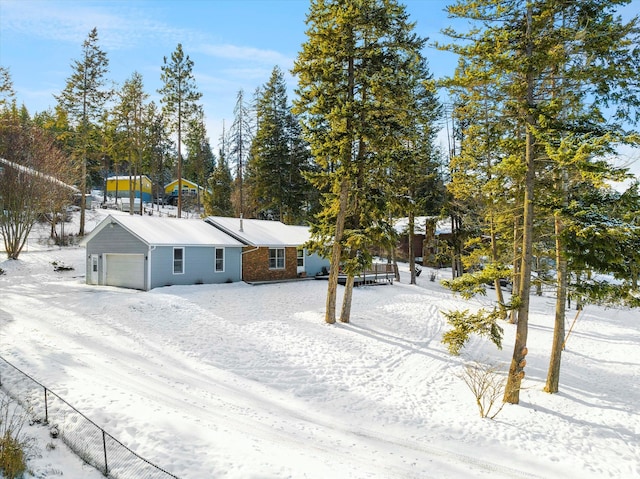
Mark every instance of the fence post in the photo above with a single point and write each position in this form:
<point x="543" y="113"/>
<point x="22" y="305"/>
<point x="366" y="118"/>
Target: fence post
<point x="104" y="445"/>
<point x="46" y="408"/>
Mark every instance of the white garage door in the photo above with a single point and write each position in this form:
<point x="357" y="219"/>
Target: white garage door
<point x="125" y="270"/>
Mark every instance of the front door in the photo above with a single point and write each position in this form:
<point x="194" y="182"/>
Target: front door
<point x="94" y="275"/>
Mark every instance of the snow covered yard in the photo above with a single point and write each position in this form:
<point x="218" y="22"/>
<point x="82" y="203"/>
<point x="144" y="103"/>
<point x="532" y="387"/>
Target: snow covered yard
<point x="244" y="381"/>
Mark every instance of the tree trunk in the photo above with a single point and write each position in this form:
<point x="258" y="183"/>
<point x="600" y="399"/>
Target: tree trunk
<point x="513" y="319"/>
<point x="345" y="314"/>
<point x="516" y="370"/>
<point x="494" y="257"/>
<point x="336" y="253"/>
<point x="412" y="259"/>
<point x="553" y="374"/>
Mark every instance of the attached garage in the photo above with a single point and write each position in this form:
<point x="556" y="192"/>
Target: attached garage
<point x="124" y="270"/>
<point x="146" y="252"/>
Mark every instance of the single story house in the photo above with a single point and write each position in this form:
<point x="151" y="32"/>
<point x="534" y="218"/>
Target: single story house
<point x="144" y="252"/>
<point x="118" y="187"/>
<point x="271" y="250"/>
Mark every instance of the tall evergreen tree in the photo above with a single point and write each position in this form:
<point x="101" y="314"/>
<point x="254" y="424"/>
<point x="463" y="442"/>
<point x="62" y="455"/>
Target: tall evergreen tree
<point x="83" y="99"/>
<point x="179" y="97"/>
<point x="238" y="146"/>
<point x="217" y="198"/>
<point x="6" y="88"/>
<point x="278" y="157"/>
<point x="200" y="159"/>
<point x="353" y="93"/>
<point x="161" y="150"/>
<point x="130" y="117"/>
<point x="527" y="47"/>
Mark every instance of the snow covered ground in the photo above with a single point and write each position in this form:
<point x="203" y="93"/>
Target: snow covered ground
<point x="243" y="381"/>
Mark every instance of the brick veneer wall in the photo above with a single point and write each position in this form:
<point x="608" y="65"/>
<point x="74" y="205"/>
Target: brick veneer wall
<point x="255" y="265"/>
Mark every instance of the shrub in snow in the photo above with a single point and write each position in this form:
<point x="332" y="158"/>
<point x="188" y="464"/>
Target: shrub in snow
<point x="14" y="445"/>
<point x="487" y="385"/>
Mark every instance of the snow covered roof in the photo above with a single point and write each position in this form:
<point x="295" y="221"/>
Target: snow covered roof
<point x="127" y="177"/>
<point x="401" y="225"/>
<point x="261" y="232"/>
<point x="157" y="231"/>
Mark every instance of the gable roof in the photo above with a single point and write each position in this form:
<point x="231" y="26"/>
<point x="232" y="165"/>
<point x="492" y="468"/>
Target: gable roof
<point x="261" y="232"/>
<point x="156" y="231"/>
<point x="185" y="183"/>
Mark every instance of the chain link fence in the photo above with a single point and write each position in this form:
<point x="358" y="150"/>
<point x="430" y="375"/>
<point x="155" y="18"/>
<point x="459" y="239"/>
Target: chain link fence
<point x="89" y="441"/>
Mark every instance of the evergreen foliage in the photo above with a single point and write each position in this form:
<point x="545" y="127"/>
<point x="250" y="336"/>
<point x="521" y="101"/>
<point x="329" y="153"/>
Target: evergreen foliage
<point x="200" y="162"/>
<point x="238" y="148"/>
<point x="217" y="199"/>
<point x="279" y="157"/>
<point x="464" y="324"/>
<point x="358" y="72"/>
<point x="83" y="100"/>
<point x="179" y="99"/>
<point x="533" y="80"/>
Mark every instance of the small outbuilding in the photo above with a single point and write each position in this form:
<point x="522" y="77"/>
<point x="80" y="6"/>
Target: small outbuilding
<point x="119" y="186"/>
<point x="272" y="250"/>
<point x="144" y="252"/>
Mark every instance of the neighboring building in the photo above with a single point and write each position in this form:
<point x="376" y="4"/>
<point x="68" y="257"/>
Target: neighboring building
<point x="118" y="187"/>
<point x="189" y="190"/>
<point x="143" y="252"/>
<point x="272" y="250"/>
<point x="430" y="238"/>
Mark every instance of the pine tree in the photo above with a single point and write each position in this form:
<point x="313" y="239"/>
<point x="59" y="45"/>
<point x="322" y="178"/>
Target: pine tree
<point x="130" y="118"/>
<point x="161" y="152"/>
<point x="179" y="97"/>
<point x="278" y="157"/>
<point x="239" y="144"/>
<point x="7" y="92"/>
<point x="83" y="99"/>
<point x="353" y="94"/>
<point x="217" y="199"/>
<point x="527" y="47"/>
<point x="200" y="160"/>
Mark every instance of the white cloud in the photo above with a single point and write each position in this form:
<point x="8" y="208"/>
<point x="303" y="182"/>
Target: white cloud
<point x="233" y="52"/>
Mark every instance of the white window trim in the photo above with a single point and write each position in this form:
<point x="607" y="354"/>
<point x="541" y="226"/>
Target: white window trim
<point x="284" y="259"/>
<point x="174" y="260"/>
<point x="215" y="260"/>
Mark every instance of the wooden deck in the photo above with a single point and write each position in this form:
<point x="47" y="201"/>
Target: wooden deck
<point x="377" y="274"/>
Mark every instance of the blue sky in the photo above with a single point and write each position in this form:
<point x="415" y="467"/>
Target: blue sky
<point x="234" y="45"/>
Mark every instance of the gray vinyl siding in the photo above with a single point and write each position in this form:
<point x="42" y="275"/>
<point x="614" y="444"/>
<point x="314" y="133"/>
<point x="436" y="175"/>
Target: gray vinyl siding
<point x="199" y="266"/>
<point x="114" y="239"/>
<point x="199" y="261"/>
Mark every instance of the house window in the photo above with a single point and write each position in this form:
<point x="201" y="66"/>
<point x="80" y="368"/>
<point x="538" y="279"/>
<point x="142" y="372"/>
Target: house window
<point x="178" y="260"/>
<point x="300" y="258"/>
<point x="276" y="258"/>
<point x="219" y="260"/>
